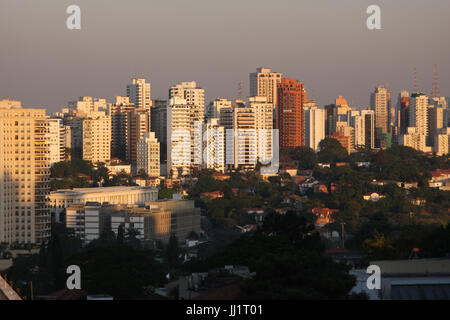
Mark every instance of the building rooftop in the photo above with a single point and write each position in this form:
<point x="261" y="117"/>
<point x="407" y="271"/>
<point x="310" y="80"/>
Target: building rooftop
<point x="100" y="189"/>
<point x="414" y="267"/>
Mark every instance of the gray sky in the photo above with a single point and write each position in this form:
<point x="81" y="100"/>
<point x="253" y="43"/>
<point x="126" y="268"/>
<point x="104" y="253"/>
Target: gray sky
<point x="324" y="43"/>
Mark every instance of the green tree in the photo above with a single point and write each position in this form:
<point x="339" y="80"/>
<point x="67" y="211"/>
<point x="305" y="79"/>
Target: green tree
<point x="120" y="271"/>
<point x="165" y="193"/>
<point x="331" y="151"/>
<point x="289" y="262"/>
<point x="121" y="235"/>
<point x="306" y="157"/>
<point x="173" y="252"/>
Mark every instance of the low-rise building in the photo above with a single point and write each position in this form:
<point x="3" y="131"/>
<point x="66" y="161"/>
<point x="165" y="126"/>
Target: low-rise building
<point x="60" y="199"/>
<point x="440" y="179"/>
<point x="289" y="170"/>
<point x="156" y="220"/>
<point x="414" y="279"/>
<point x="119" y="168"/>
<point x="373" y="197"/>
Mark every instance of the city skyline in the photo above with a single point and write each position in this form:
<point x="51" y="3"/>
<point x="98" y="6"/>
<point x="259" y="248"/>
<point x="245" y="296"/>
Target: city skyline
<point x="46" y="65"/>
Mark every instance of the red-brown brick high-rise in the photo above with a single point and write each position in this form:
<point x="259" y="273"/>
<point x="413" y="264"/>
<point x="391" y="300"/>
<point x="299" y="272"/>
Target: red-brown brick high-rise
<point x="291" y="96"/>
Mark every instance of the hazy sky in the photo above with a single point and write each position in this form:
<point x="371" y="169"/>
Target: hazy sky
<point x="324" y="43"/>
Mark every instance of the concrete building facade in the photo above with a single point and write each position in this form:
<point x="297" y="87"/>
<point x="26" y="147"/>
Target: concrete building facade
<point x="24" y="174"/>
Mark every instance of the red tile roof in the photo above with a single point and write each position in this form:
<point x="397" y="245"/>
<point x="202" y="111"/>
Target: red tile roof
<point x="440" y="172"/>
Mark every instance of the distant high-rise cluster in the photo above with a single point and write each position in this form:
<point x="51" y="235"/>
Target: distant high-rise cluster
<point x="175" y="138"/>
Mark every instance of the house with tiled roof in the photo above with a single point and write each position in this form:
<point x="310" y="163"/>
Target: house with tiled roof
<point x="211" y="195"/>
<point x="440" y="179"/>
<point x="323" y="216"/>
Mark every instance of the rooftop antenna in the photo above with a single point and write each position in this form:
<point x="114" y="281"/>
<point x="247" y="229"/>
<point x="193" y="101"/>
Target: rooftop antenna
<point x="435" y="92"/>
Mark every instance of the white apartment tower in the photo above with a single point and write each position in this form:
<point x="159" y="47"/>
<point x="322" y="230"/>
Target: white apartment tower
<point x="59" y="139"/>
<point x="89" y="107"/>
<point x="193" y="95"/>
<point x="442" y="142"/>
<point x="148" y="155"/>
<point x="186" y="110"/>
<point x="413" y="139"/>
<point x="180" y="132"/>
<point x="97" y="139"/>
<point x="314" y="127"/>
<point x="139" y="93"/>
<point x="263" y="111"/>
<point x="418" y="113"/>
<point x="24" y="174"/>
<point x="213" y="145"/>
<point x="241" y="143"/>
<point x="263" y="83"/>
<point x="358" y="122"/>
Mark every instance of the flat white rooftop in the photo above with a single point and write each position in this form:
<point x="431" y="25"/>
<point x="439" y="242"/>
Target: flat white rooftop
<point x="100" y="189"/>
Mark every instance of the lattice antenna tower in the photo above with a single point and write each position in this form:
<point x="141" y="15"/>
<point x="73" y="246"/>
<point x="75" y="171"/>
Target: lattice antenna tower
<point x="435" y="92"/>
<point x="240" y="90"/>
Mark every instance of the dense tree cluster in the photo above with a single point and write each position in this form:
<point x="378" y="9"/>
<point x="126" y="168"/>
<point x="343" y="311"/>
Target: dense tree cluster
<point x="289" y="262"/>
<point x="78" y="173"/>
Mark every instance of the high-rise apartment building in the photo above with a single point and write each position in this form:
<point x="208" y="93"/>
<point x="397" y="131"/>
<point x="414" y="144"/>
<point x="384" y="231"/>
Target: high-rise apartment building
<point x="241" y="143"/>
<point x="57" y="140"/>
<point x="403" y="119"/>
<point x="24" y="174"/>
<point x="357" y="122"/>
<point x="159" y="126"/>
<point x="314" y="126"/>
<point x="369" y="128"/>
<point x="418" y="113"/>
<point x="77" y="111"/>
<point x="413" y="139"/>
<point x="97" y="139"/>
<point x="226" y="114"/>
<point x="263" y="111"/>
<point x="119" y="127"/>
<point x="180" y="133"/>
<point x="291" y="96"/>
<point x="213" y="145"/>
<point x="263" y="83"/>
<point x="139" y="122"/>
<point x="148" y="159"/>
<point x="216" y="106"/>
<point x="442" y="142"/>
<point x="435" y="121"/>
<point x="349" y="135"/>
<point x="88" y="107"/>
<point x="337" y="114"/>
<point x="194" y="96"/>
<point x="381" y="104"/>
<point x="139" y="93"/>
<point x="75" y="125"/>
<point x="186" y="110"/>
